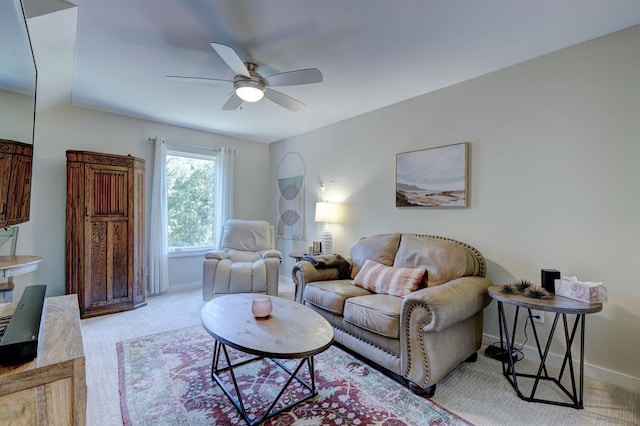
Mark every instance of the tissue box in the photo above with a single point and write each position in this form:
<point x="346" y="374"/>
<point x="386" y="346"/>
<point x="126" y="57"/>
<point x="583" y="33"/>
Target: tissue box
<point x="588" y="292"/>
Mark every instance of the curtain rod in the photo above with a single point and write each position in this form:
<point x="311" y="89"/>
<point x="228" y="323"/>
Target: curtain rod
<point x="153" y="139"/>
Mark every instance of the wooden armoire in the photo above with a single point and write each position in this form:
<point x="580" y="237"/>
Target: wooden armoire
<point x="105" y="232"/>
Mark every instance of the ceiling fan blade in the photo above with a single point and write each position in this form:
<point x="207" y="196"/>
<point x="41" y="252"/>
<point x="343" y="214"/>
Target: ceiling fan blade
<point x="283" y="100"/>
<point x="197" y="79"/>
<point x="291" y="78"/>
<point x="232" y="103"/>
<point x="232" y="59"/>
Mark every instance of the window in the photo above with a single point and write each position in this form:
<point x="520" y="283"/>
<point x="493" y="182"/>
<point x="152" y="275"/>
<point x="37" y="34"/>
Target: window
<point x="190" y="201"/>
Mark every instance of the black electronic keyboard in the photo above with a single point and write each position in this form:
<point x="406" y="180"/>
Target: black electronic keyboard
<point x="19" y="332"/>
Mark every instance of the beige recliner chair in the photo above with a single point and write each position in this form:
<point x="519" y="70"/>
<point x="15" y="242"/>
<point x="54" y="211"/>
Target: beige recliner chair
<point x="246" y="263"/>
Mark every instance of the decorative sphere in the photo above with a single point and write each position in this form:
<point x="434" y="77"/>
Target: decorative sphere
<point x="261" y="306"/>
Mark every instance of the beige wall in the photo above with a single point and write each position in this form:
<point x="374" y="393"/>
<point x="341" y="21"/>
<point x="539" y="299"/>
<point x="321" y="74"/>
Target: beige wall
<point x="554" y="181"/>
<point x="64" y="127"/>
<point x="16" y="116"/>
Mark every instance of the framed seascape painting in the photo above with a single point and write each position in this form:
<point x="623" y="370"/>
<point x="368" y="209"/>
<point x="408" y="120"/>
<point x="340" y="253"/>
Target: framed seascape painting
<point x="433" y="177"/>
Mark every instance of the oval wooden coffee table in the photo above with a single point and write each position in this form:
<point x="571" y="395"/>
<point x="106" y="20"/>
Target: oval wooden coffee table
<point x="292" y="331"/>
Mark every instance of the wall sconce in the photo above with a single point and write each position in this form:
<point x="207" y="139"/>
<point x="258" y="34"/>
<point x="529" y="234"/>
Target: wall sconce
<point x="328" y="213"/>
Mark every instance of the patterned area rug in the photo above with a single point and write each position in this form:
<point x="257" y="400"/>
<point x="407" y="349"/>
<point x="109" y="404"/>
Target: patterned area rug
<point x="165" y="380"/>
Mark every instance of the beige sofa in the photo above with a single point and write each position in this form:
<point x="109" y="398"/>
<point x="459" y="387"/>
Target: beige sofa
<point x="420" y="336"/>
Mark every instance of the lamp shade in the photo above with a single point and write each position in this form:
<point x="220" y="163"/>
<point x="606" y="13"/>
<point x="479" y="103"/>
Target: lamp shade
<point x="249" y="93"/>
<point x="327" y="212"/>
<point x="249" y="90"/>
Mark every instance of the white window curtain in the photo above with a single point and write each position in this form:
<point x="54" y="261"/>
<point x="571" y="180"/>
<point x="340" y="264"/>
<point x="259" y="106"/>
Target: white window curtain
<point x="158" y="250"/>
<point x="158" y="258"/>
<point x="225" y="159"/>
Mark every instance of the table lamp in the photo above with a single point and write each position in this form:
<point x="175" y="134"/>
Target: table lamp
<point x="328" y="213"/>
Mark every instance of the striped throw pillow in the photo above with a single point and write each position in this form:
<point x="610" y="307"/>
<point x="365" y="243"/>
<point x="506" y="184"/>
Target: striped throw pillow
<point x="382" y="279"/>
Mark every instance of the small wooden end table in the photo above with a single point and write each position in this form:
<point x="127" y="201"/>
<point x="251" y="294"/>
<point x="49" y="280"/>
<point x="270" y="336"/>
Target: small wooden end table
<point x="561" y="306"/>
<point x="292" y="331"/>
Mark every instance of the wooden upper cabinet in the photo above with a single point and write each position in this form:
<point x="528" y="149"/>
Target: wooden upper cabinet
<point x="15" y="178"/>
<point x="105" y="232"/>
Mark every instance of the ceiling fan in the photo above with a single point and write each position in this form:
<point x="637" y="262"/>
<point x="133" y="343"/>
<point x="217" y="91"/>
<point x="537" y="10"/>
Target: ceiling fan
<point x="251" y="86"/>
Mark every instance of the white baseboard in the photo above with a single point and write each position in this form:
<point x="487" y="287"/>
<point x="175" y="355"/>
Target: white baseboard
<point x="185" y="286"/>
<point x="593" y="371"/>
<point x="285" y="279"/>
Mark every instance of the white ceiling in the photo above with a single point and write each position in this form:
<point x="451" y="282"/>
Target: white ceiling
<point x="372" y="53"/>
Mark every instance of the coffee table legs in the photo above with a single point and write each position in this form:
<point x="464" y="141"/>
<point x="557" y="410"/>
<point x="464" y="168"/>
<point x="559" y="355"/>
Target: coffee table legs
<point x="508" y="365"/>
<point x="220" y="350"/>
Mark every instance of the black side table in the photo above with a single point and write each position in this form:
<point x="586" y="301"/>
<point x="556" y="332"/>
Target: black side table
<point x="297" y="255"/>
<point x="562" y="307"/>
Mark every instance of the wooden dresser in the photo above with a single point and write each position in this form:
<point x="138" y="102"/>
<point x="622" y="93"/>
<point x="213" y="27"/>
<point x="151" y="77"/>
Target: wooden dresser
<point x="105" y="232"/>
<point x="51" y="389"/>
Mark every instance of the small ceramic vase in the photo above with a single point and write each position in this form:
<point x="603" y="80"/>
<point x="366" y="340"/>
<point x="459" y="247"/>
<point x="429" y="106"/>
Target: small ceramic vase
<point x="261" y="307"/>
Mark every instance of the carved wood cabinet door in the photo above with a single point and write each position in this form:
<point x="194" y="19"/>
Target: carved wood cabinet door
<point x="107" y="237"/>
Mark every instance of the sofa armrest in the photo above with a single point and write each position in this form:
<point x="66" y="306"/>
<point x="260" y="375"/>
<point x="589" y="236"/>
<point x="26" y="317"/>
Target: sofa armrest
<point x="272" y="254"/>
<point x="216" y="254"/>
<point x="271" y="265"/>
<point x="304" y="272"/>
<point x="449" y="303"/>
<point x="209" y="268"/>
<point x="429" y="318"/>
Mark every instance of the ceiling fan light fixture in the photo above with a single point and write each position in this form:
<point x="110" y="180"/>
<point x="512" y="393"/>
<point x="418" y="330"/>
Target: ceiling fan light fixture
<point x="249" y="91"/>
<point x="250" y="86"/>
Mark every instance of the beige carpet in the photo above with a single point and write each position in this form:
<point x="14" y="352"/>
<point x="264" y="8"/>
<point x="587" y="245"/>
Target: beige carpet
<point x="476" y="391"/>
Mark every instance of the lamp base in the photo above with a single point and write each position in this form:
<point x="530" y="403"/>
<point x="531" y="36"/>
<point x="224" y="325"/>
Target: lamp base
<point x="327" y="240"/>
